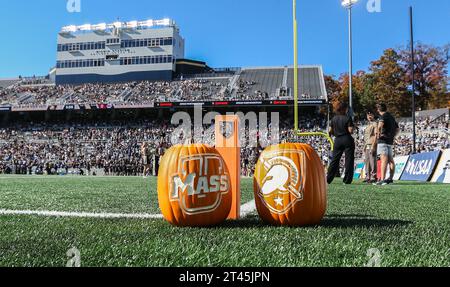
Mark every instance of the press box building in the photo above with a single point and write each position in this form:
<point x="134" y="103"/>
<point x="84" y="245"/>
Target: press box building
<point x="118" y="52"/>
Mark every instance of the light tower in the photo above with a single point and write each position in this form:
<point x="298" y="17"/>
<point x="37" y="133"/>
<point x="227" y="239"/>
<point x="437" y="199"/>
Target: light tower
<point x="348" y="4"/>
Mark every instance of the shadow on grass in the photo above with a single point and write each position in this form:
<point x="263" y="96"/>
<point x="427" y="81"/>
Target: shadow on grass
<point x="347" y="222"/>
<point x="331" y="221"/>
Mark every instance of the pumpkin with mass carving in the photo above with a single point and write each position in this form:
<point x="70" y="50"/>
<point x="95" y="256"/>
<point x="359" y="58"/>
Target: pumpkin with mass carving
<point x="290" y="186"/>
<point x="194" y="187"/>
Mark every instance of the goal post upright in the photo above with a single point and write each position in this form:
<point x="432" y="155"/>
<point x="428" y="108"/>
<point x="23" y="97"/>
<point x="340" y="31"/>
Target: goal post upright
<point x="296" y="86"/>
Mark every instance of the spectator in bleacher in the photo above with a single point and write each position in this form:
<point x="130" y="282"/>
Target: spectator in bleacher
<point x="370" y="148"/>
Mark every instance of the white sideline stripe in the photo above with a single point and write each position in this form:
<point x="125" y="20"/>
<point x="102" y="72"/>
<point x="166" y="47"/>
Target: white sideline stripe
<point x="246" y="209"/>
<point x="80" y="214"/>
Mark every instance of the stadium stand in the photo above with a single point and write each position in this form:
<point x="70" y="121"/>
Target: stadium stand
<point x="246" y="84"/>
<point x="107" y="148"/>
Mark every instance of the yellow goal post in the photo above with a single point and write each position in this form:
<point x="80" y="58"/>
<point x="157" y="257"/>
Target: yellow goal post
<point x="296" y="87"/>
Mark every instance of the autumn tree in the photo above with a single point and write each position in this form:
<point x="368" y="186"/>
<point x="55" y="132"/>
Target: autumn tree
<point x="430" y="74"/>
<point x="389" y="83"/>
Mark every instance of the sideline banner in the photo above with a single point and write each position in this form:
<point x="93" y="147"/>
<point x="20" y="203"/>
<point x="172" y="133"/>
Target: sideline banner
<point x="420" y="167"/>
<point x="359" y="167"/>
<point x="400" y="164"/>
<point x="442" y="173"/>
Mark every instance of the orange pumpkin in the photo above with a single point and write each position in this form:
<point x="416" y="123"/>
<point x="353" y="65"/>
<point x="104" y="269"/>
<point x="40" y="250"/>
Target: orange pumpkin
<point x="290" y="186"/>
<point x="194" y="186"/>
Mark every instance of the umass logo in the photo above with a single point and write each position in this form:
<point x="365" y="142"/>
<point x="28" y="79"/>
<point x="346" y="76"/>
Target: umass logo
<point x="190" y="189"/>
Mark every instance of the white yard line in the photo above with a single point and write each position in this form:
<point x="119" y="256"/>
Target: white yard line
<point x="246" y="210"/>
<point x="80" y="214"/>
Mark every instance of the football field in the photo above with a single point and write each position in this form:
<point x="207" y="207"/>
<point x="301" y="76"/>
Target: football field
<point x="115" y="221"/>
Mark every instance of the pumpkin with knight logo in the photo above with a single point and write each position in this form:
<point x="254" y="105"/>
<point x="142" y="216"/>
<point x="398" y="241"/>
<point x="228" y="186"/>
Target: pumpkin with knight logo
<point x="290" y="186"/>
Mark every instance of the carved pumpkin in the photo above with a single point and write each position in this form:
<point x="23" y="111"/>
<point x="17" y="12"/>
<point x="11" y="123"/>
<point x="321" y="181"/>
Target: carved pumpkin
<point x="290" y="186"/>
<point x="194" y="186"/>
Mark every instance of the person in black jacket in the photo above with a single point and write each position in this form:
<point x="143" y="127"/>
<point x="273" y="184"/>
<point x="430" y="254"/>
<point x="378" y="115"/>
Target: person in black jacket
<point x="342" y="129"/>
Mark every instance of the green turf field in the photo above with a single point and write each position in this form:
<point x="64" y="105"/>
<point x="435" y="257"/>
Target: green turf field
<point x="409" y="223"/>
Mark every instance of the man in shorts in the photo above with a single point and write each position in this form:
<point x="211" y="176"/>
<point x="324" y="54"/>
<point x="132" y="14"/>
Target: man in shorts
<point x="388" y="129"/>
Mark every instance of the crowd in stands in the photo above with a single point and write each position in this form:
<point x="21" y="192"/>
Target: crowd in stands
<point x="144" y="92"/>
<point x="432" y="135"/>
<point x="114" y="148"/>
<point x="34" y="93"/>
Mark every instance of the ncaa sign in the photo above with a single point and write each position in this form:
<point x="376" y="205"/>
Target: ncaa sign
<point x="420" y="167"/>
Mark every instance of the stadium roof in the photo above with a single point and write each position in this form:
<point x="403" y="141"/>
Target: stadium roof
<point x="119" y="25"/>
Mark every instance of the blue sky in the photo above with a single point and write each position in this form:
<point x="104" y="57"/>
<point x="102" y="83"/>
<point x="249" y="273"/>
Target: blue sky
<point x="228" y="33"/>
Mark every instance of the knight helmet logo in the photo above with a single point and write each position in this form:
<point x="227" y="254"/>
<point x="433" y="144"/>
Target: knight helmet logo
<point x="200" y="191"/>
<point x="283" y="182"/>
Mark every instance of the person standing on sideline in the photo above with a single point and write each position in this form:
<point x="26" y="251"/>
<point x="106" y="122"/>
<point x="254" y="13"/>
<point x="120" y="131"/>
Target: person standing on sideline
<point x="342" y="129"/>
<point x="370" y="148"/>
<point x="388" y="129"/>
<point x="145" y="159"/>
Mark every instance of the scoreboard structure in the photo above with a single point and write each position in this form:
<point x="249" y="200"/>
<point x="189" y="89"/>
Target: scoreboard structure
<point x="118" y="52"/>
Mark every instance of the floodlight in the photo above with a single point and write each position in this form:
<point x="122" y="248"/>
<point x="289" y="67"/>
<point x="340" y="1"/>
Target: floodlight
<point x="69" y="29"/>
<point x="132" y="24"/>
<point x="85" y="27"/>
<point x="148" y="23"/>
<point x="348" y="3"/>
<point x="99" y="27"/>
